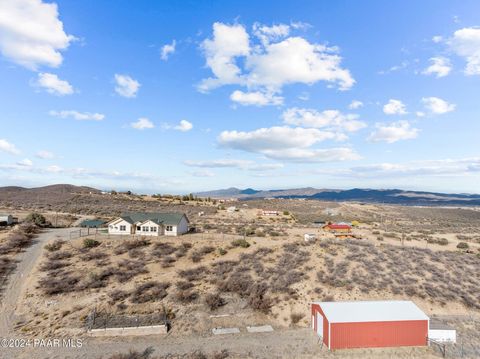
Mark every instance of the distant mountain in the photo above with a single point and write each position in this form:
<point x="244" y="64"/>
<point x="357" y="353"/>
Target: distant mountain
<point x="55" y="188"/>
<point x="392" y="196"/>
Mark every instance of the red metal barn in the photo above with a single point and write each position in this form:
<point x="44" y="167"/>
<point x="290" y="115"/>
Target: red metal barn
<point x="367" y="324"/>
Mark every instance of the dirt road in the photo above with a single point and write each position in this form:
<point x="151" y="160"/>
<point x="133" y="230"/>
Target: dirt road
<point x="288" y="343"/>
<point x="15" y="285"/>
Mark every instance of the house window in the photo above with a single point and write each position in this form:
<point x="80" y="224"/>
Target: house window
<point x="169" y="228"/>
<point x="153" y="229"/>
<point x="123" y="228"/>
<point x="139" y="228"/>
<point x="145" y="228"/>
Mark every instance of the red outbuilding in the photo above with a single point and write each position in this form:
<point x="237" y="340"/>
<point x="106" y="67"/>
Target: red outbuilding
<point x="367" y="324"/>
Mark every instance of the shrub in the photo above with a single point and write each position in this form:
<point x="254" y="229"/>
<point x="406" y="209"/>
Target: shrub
<point x="127" y="269"/>
<point x="198" y="255"/>
<point x="240" y="243"/>
<point x="132" y="354"/>
<point x="296" y="317"/>
<point x="149" y="292"/>
<point x="462" y="245"/>
<point x="186" y="296"/>
<point x="118" y="295"/>
<point x="379" y="238"/>
<point x="55" y="246"/>
<point x="214" y="301"/>
<point x="90" y="243"/>
<point x="222" y="251"/>
<point x="258" y="299"/>
<point x="286" y="213"/>
<point x="37" y="219"/>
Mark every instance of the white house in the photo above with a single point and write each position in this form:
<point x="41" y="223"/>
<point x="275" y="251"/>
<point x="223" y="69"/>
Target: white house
<point x="149" y="224"/>
<point x="6" y="219"/>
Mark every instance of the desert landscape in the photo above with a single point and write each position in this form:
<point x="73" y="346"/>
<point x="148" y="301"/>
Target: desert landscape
<point x="245" y="263"/>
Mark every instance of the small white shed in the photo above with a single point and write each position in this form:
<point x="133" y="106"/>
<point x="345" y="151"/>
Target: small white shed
<point x="310" y="237"/>
<point x="6" y="219"/>
<point x="442" y="333"/>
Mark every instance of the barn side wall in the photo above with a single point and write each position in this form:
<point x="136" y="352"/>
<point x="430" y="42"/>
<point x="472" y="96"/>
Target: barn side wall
<point x="379" y="334"/>
<point x="316" y="309"/>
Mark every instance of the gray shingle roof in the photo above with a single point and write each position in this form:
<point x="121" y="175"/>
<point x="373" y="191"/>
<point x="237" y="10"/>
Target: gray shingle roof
<point x="158" y="218"/>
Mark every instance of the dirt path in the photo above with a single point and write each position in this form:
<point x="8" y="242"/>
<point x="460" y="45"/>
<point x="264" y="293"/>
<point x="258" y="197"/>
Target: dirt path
<point x="15" y="285"/>
<point x="288" y="343"/>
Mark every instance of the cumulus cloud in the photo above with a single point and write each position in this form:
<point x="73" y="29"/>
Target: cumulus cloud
<point x="31" y="33"/>
<point x="126" y="86"/>
<point x="286" y="143"/>
<point x="54" y="85"/>
<point x="8" y="147"/>
<point x="45" y="155"/>
<point x="167" y="50"/>
<point x="393" y="132"/>
<point x="437" y="106"/>
<point x="439" y="66"/>
<point x="255" y="98"/>
<point x="267" y="65"/>
<point x="79" y="116"/>
<point x="355" y="105"/>
<point x="332" y="119"/>
<point x="183" y="126"/>
<point x="466" y="43"/>
<point x="142" y="123"/>
<point x="394" y="107"/>
<point x="266" y="34"/>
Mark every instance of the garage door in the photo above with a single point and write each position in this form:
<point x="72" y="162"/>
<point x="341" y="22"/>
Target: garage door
<point x="319" y="325"/>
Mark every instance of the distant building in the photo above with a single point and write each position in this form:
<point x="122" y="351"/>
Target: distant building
<point x="337" y="228"/>
<point x="310" y="237"/>
<point x="270" y="213"/>
<point x="6" y="219"/>
<point x="150" y="224"/>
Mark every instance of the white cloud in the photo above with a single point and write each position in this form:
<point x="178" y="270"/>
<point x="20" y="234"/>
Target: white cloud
<point x="184" y="126"/>
<point x="393" y="132"/>
<point x="437" y="39"/>
<point x="440" y="67"/>
<point x="255" y="98"/>
<point x="25" y="163"/>
<point x="220" y="163"/>
<point x="142" y="124"/>
<point x="394" y="107"/>
<point x="53" y="85"/>
<point x="437" y="106"/>
<point x="8" y="147"/>
<point x="203" y="173"/>
<point x="267" y="34"/>
<point x="31" y="33"/>
<point x="286" y="143"/>
<point x="45" y="155"/>
<point x="466" y="43"/>
<point x="315" y="155"/>
<point x="167" y="50"/>
<point x="79" y="116"/>
<point x="332" y="119"/>
<point x="268" y="65"/>
<point x="126" y="86"/>
<point x="443" y="167"/>
<point x="355" y="105"/>
<point x="233" y="163"/>
<point x="228" y="42"/>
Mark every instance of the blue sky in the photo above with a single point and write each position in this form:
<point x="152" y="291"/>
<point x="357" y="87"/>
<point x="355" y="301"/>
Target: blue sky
<point x="187" y="96"/>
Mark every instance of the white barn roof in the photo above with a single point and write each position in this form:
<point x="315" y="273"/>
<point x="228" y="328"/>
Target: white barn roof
<point x="371" y="311"/>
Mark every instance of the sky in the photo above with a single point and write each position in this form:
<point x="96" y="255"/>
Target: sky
<point x="185" y="96"/>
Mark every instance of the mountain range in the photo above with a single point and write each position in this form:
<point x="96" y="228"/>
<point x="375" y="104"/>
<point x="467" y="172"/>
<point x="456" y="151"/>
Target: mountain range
<point x="392" y="196"/>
